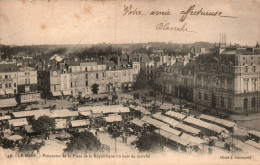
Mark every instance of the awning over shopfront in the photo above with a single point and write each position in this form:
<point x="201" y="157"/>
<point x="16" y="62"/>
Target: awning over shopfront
<point x="18" y="122"/>
<point x="10" y="102"/>
<point x="66" y="93"/>
<point x="9" y="91"/>
<point x="137" y="122"/>
<point x="2" y="92"/>
<point x="56" y="93"/>
<point x="6" y="117"/>
<point x="80" y="123"/>
<point x="113" y="118"/>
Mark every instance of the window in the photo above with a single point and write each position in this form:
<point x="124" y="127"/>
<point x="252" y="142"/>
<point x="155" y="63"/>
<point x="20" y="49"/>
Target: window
<point x="0" y="76"/>
<point x="96" y="75"/>
<point x="6" y="76"/>
<point x="86" y="76"/>
<point x="10" y="85"/>
<point x="14" y="91"/>
<point x="199" y="95"/>
<point x="71" y="85"/>
<point x="6" y="85"/>
<point x="86" y="69"/>
<point x="245" y="103"/>
<point x="246" y="68"/>
<point x="245" y="84"/>
<point x="205" y="96"/>
<point x="253" y="102"/>
<point x="254" y="69"/>
<point x="0" y="85"/>
<point x="76" y="84"/>
<point x="70" y="70"/>
<point x="254" y="84"/>
<point x="86" y="83"/>
<point x="222" y="101"/>
<point x="229" y="102"/>
<point x="103" y="74"/>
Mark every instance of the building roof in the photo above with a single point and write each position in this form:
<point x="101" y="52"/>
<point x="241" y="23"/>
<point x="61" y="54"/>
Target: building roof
<point x="187" y="128"/>
<point x="216" y="120"/>
<point x="110" y="63"/>
<point x="253" y="132"/>
<point x="137" y="122"/>
<point x="8" y="68"/>
<point x="10" y="102"/>
<point x="113" y="118"/>
<point x="18" y="122"/>
<point x="79" y="123"/>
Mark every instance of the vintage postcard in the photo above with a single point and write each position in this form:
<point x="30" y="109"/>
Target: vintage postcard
<point x="129" y="82"/>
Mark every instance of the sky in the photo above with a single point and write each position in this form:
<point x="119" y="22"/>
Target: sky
<point x="31" y="22"/>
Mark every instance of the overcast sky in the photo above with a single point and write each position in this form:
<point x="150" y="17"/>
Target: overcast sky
<point x="85" y="22"/>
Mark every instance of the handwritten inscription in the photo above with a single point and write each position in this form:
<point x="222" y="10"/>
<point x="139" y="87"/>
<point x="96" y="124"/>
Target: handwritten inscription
<point x="168" y="27"/>
<point x="128" y="10"/>
<point x="191" y="11"/>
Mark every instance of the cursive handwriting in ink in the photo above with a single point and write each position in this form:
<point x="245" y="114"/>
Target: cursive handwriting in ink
<point x="191" y="11"/>
<point x="168" y="27"/>
<point x="129" y="11"/>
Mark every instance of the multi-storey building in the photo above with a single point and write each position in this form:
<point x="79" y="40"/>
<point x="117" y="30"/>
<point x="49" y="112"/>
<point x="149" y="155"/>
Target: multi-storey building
<point x="87" y="77"/>
<point x="27" y="85"/>
<point x="119" y="77"/>
<point x="8" y="79"/>
<point x="228" y="79"/>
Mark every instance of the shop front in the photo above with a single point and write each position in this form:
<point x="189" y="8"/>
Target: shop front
<point x="29" y="97"/>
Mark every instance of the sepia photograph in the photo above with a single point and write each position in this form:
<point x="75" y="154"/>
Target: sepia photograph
<point x="129" y="82"/>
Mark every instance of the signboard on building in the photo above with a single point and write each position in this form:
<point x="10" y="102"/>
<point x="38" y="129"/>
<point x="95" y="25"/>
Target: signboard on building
<point x="30" y="97"/>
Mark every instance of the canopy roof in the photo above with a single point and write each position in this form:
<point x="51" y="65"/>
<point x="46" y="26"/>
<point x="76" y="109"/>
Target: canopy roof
<point x="11" y="102"/>
<point x="187" y="128"/>
<point x="79" y="123"/>
<point x="253" y="132"/>
<point x="18" y="122"/>
<point x="166" y="119"/>
<point x="113" y="118"/>
<point x="6" y="117"/>
<point x="219" y="121"/>
<point x="137" y="122"/>
<point x="176" y="115"/>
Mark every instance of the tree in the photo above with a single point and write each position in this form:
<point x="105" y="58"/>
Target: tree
<point x="149" y="142"/>
<point x="83" y="142"/>
<point x="43" y="125"/>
